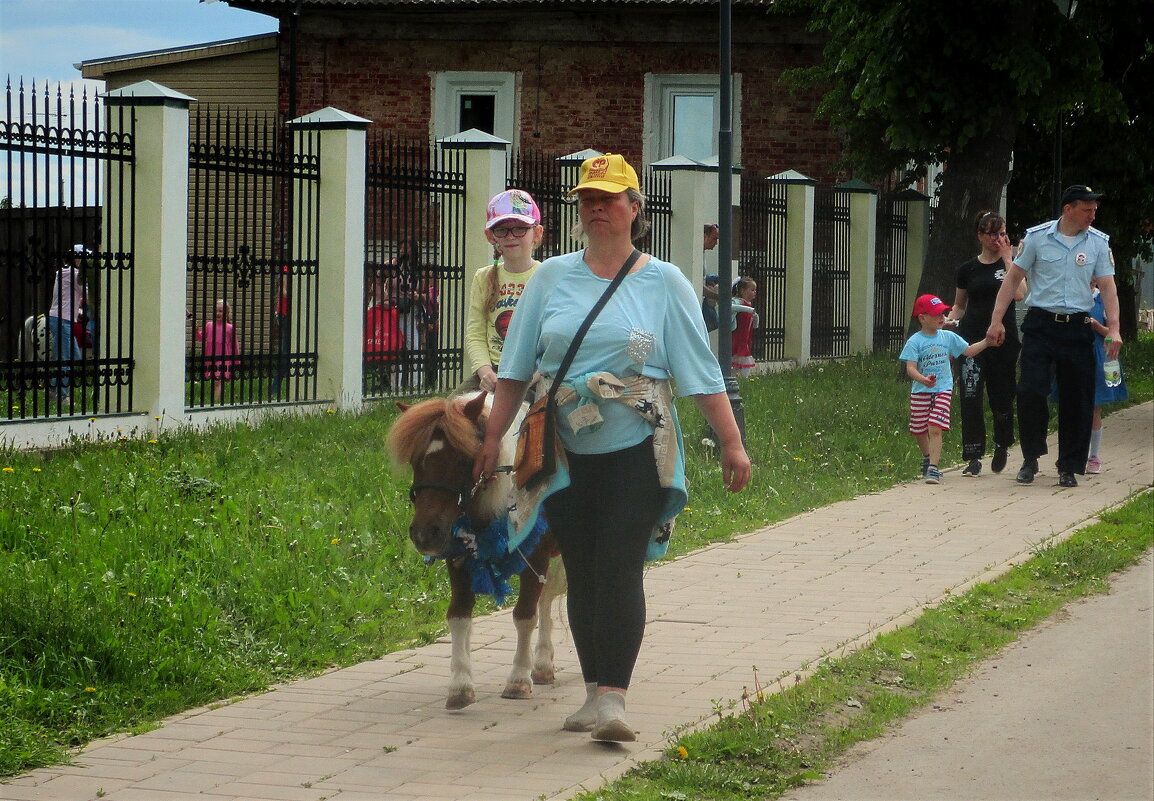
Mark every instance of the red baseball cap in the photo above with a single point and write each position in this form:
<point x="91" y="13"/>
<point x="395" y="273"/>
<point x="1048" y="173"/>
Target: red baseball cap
<point x="929" y="304"/>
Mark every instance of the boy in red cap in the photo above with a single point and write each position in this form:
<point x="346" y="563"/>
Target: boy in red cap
<point x="927" y="356"/>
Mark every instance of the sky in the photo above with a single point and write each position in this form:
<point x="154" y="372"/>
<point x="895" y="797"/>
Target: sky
<point x="43" y="39"/>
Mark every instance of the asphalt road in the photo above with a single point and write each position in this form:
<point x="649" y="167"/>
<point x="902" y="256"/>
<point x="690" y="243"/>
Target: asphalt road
<point x="1064" y="714"/>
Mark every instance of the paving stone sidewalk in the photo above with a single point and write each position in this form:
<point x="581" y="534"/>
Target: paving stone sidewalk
<point x="766" y="605"/>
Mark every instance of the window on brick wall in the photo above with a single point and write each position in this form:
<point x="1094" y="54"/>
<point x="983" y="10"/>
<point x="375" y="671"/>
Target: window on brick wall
<point x="682" y="114"/>
<point x="482" y="100"/>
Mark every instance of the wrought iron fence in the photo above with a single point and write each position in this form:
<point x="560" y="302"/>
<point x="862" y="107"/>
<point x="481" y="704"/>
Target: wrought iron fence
<point x="829" y="324"/>
<point x="762" y="256"/>
<point x="253" y="233"/>
<point x="66" y="273"/>
<point x="891" y="317"/>
<point x="414" y="268"/>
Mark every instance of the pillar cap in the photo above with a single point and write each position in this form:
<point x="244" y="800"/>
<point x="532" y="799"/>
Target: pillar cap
<point x="683" y="163"/>
<point x="474" y="139"/>
<point x="792" y="177"/>
<point x="330" y="118"/>
<point x="855" y="185"/>
<point x="580" y="155"/>
<point x="147" y="93"/>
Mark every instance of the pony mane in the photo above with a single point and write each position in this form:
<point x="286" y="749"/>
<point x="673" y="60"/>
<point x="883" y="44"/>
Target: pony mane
<point x="414" y="429"/>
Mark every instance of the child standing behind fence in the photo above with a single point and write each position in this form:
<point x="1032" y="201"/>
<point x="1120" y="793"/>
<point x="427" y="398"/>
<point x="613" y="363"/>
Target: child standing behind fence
<point x="219" y="337"/>
<point x="927" y="356"/>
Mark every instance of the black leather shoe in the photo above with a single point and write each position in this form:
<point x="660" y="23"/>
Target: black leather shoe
<point x="1066" y="479"/>
<point x="998" y="463"/>
<point x="1026" y="474"/>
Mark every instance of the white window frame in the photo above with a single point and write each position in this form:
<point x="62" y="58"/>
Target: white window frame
<point x="661" y="88"/>
<point x="448" y="88"/>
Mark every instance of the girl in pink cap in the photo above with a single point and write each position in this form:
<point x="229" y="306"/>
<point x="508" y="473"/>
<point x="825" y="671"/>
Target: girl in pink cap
<point x="513" y="227"/>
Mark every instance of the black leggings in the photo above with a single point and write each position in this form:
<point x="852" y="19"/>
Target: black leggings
<point x="603" y="521"/>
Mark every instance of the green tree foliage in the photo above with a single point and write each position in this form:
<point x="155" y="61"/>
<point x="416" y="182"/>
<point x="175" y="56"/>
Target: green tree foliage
<point x="922" y="82"/>
<point x="1110" y="148"/>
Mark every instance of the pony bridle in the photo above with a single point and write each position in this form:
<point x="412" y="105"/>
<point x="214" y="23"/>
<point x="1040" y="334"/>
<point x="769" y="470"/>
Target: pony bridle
<point x="464" y="493"/>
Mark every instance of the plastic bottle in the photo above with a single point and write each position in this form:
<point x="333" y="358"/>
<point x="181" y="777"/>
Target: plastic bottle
<point x="1112" y="370"/>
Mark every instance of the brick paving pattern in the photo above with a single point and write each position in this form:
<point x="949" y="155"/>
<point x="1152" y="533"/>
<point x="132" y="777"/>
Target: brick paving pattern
<point x="766" y="605"/>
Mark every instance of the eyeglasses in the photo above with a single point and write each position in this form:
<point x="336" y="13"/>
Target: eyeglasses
<point x="503" y="231"/>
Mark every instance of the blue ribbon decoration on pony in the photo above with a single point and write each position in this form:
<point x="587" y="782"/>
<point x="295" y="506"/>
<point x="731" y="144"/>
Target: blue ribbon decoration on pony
<point x="486" y="554"/>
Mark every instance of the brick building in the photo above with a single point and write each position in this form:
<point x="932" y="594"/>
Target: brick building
<point x="559" y="76"/>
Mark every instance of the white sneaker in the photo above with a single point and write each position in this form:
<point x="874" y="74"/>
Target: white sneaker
<point x="1093" y="465"/>
<point x="611" y="725"/>
<point x="586" y="717"/>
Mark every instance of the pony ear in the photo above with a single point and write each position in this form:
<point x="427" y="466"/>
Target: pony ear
<point x="404" y="407"/>
<point x="473" y="408"/>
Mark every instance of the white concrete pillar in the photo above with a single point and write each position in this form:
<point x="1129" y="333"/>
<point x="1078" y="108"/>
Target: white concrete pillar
<point x="157" y="190"/>
<point x="486" y="168"/>
<point x="340" y="251"/>
<point x="689" y="183"/>
<point x="863" y="216"/>
<point x="799" y="263"/>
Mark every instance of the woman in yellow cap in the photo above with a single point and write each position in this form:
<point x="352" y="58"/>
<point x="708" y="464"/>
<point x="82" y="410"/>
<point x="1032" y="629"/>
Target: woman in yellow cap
<point x="611" y="505"/>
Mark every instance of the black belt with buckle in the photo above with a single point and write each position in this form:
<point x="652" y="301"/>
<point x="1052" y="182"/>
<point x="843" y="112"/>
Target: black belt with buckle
<point x="1063" y="317"/>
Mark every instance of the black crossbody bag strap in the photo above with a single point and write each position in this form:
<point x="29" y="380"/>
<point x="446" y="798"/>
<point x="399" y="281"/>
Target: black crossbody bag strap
<point x="587" y="323"/>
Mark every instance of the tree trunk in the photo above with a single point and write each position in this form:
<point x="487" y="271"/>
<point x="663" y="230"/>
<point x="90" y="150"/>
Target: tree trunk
<point x="974" y="178"/>
<point x="972" y="183"/>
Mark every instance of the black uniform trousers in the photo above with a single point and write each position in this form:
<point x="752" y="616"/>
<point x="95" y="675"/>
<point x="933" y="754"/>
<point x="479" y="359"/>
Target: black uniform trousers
<point x="993" y="370"/>
<point x="1057" y="348"/>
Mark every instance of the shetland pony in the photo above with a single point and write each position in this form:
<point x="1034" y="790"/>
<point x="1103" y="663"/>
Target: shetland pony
<point x="438" y="439"/>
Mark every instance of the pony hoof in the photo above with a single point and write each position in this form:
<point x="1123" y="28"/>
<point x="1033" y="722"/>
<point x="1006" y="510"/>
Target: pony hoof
<point x="544" y="676"/>
<point x="519" y="691"/>
<point x="460" y="699"/>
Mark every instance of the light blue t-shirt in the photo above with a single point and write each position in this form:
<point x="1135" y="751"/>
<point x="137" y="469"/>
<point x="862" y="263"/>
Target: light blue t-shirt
<point x="651" y="326"/>
<point x="1059" y="269"/>
<point x="932" y="353"/>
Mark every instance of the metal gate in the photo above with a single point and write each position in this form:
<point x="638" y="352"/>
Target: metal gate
<point x="829" y="325"/>
<point x="762" y="256"/>
<point x="414" y="268"/>
<point x="253" y="231"/>
<point x="891" y="317"/>
<point x="67" y="283"/>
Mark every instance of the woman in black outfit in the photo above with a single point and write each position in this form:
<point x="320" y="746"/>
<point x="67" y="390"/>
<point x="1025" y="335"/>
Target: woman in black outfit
<point x="994" y="369"/>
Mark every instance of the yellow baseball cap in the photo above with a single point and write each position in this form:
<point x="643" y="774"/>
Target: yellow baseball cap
<point x="609" y="173"/>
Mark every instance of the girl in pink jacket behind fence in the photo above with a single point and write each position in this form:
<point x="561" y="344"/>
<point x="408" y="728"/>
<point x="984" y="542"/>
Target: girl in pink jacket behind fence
<point x="219" y="337"/>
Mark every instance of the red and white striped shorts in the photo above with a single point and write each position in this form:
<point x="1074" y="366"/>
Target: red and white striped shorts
<point x="929" y="409"/>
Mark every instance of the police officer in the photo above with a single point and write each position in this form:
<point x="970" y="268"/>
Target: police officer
<point x="1057" y="342"/>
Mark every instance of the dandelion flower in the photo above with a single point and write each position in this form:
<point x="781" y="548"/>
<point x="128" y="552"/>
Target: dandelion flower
<point x="36" y="470"/>
<point x="9" y="469"/>
<point x="153" y="441"/>
<point x="707" y="442"/>
<point x="89" y="689"/>
<point x="335" y="541"/>
<point x="682" y="752"/>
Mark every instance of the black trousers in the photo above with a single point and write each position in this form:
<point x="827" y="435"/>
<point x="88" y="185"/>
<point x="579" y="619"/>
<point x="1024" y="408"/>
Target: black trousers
<point x="993" y="370"/>
<point x="1061" y="352"/>
<point x="602" y="522"/>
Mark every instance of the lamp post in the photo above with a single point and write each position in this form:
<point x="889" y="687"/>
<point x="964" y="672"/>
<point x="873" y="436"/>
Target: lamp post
<point x="1066" y="8"/>
<point x="725" y="215"/>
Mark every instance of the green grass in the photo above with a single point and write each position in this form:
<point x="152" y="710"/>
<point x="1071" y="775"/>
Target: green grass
<point x="138" y="579"/>
<point x="788" y="733"/>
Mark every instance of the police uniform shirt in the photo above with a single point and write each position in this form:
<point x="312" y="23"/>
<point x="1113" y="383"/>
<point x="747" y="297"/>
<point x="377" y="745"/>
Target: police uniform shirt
<point x="1059" y="273"/>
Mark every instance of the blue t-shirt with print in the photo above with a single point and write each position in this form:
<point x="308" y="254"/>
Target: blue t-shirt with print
<point x="932" y="353"/>
<point x="651" y="326"/>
